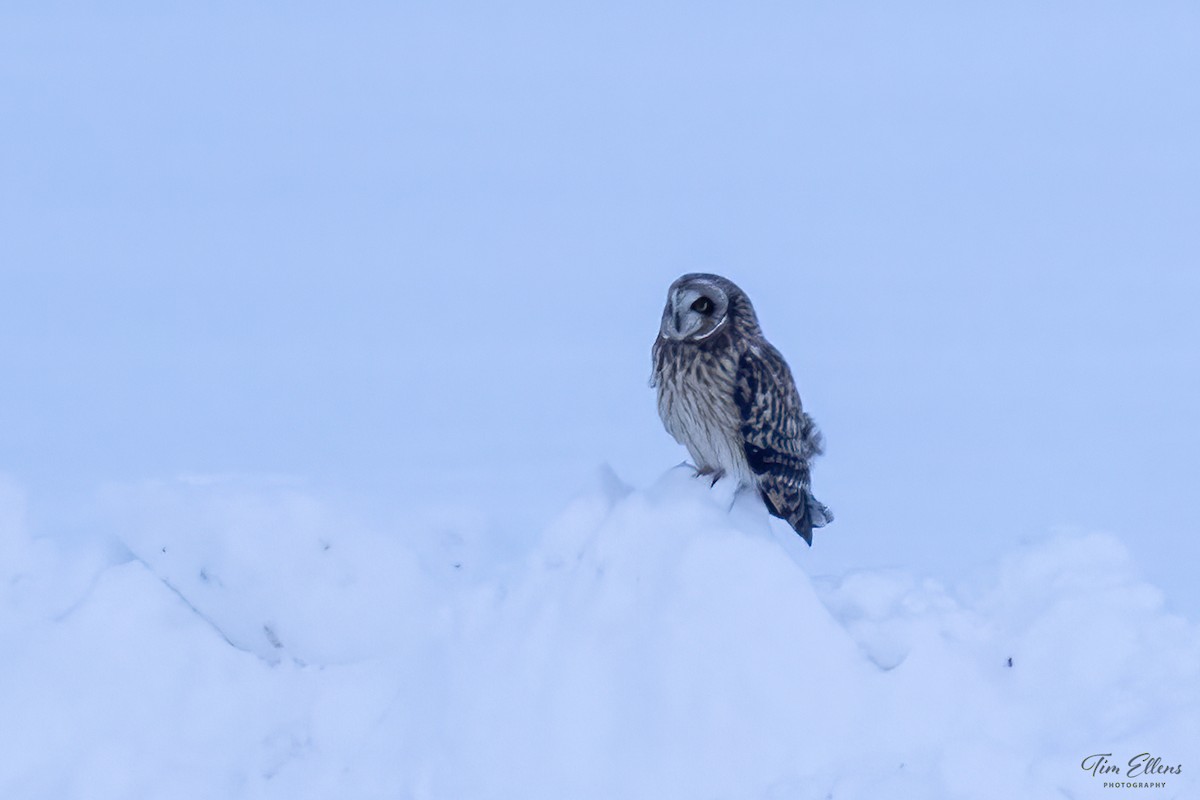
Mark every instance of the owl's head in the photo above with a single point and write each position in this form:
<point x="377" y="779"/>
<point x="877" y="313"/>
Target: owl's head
<point x="700" y="304"/>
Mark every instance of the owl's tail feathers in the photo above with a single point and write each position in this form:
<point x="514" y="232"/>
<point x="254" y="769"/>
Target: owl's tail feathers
<point x="818" y="512"/>
<point x="804" y="515"/>
<point x="811" y="513"/>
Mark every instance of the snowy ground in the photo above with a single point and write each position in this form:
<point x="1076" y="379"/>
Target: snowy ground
<point x="248" y="639"/>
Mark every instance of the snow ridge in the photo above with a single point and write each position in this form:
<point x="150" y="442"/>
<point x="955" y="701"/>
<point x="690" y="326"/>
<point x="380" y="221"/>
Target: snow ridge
<point x="252" y="641"/>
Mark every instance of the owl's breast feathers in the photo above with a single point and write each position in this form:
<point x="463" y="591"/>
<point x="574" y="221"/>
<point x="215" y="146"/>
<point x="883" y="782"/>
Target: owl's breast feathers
<point x="778" y="438"/>
<point x="695" y="401"/>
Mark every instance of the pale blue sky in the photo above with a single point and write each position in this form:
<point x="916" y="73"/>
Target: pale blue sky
<point x="418" y="253"/>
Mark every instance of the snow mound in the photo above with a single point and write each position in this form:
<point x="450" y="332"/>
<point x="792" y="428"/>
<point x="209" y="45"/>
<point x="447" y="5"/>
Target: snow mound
<point x="274" y="571"/>
<point x="250" y="641"/>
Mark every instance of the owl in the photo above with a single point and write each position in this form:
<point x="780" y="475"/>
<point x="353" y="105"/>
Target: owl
<point x="728" y="396"/>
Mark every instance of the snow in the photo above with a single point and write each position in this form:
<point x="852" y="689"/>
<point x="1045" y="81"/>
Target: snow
<point x="248" y="638"/>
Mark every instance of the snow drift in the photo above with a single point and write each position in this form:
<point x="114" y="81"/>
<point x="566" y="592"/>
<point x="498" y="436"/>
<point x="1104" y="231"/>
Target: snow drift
<point x="250" y="641"/>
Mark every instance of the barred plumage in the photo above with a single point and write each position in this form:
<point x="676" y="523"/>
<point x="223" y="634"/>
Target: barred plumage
<point x="728" y="396"/>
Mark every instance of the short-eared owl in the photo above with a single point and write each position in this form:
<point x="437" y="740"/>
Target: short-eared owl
<point x="727" y="395"/>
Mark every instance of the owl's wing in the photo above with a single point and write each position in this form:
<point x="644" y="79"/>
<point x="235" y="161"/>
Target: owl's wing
<point x="779" y="438"/>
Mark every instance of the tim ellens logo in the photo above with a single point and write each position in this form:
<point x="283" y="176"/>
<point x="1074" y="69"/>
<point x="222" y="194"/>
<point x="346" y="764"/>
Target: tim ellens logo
<point x="1150" y="769"/>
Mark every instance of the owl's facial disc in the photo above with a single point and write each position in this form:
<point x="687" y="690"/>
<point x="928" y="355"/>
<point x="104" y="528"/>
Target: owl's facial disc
<point x="694" y="311"/>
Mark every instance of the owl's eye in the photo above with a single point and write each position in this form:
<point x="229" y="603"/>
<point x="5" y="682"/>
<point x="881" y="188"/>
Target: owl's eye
<point x="703" y="306"/>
